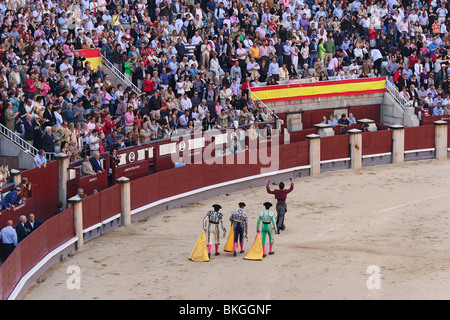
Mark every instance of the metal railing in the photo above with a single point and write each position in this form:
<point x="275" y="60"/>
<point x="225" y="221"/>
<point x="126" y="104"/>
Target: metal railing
<point x="392" y="89"/>
<point x="120" y="75"/>
<point x="22" y="144"/>
<point x="252" y="96"/>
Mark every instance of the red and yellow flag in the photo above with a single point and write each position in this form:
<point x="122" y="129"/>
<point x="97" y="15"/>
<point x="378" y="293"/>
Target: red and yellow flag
<point x="93" y="56"/>
<point x="313" y="90"/>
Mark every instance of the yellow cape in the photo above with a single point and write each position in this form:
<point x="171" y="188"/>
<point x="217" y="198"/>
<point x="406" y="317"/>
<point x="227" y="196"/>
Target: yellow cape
<point x="229" y="245"/>
<point x="256" y="252"/>
<point x="200" y="251"/>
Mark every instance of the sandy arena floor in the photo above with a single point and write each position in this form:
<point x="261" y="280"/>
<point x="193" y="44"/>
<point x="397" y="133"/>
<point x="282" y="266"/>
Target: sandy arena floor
<point x="339" y="224"/>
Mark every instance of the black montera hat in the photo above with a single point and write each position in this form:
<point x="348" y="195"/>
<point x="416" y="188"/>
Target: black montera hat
<point x="241" y="204"/>
<point x="267" y="205"/>
<point x="217" y="207"/>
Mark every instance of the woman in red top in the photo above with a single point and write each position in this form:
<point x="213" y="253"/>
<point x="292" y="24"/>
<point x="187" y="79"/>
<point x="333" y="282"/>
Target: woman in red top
<point x="246" y="85"/>
<point x="30" y="87"/>
<point x="373" y="36"/>
<point x="109" y="124"/>
<point x="149" y="83"/>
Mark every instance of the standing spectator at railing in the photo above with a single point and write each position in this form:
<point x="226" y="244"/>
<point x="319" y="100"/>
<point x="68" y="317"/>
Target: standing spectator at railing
<point x="29" y="127"/>
<point x="48" y="140"/>
<point x="10" y="117"/>
<point x="93" y="142"/>
<point x="8" y="235"/>
<point x="39" y="159"/>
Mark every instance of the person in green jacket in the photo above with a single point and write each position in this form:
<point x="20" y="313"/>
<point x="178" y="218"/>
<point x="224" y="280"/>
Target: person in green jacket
<point x="266" y="224"/>
<point x="330" y="51"/>
<point x="128" y="68"/>
<point x="321" y="50"/>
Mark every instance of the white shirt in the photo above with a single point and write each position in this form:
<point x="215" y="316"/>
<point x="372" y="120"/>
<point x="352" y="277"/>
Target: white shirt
<point x="93" y="142"/>
<point x="58" y="118"/>
<point x="376" y="54"/>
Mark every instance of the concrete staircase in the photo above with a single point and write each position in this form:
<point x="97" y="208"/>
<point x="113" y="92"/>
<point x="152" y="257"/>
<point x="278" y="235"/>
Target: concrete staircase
<point x="117" y="76"/>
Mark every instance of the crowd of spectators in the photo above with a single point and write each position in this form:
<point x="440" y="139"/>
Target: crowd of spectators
<point x="195" y="61"/>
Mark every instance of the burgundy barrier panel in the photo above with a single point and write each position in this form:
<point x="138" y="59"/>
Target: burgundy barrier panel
<point x="371" y="112"/>
<point x="110" y="202"/>
<point x="426" y="120"/>
<point x="294" y="155"/>
<point x="300" y="135"/>
<point x="34" y="247"/>
<point x="334" y="147"/>
<point x="144" y="190"/>
<point x="91" y="210"/>
<point x="45" y="189"/>
<point x="132" y="171"/>
<point x="448" y="137"/>
<point x="421" y="137"/>
<point x="88" y="183"/>
<point x="374" y="142"/>
<point x="310" y="118"/>
<point x="60" y="228"/>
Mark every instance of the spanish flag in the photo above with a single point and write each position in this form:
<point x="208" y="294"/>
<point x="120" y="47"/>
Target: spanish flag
<point x="91" y="55"/>
<point x="322" y="89"/>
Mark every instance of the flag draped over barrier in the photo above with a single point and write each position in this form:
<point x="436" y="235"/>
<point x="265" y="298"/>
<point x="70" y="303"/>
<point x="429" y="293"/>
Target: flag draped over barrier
<point x="311" y="90"/>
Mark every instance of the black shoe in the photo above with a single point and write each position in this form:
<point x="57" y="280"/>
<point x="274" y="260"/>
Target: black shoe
<point x="242" y="251"/>
<point x="264" y="255"/>
<point x="234" y="253"/>
<point x="272" y="252"/>
<point x="217" y="253"/>
<point x="209" y="255"/>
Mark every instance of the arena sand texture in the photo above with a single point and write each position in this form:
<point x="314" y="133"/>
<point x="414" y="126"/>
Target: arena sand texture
<point x="338" y="225"/>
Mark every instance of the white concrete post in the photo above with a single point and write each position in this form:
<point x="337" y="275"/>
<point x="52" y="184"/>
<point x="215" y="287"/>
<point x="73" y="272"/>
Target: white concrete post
<point x="398" y="144"/>
<point x="125" y="197"/>
<point x="370" y="122"/>
<point x="77" y="219"/>
<point x="355" y="141"/>
<point x="324" y="130"/>
<point x="63" y="166"/>
<point x="314" y="153"/>
<point x="440" y="139"/>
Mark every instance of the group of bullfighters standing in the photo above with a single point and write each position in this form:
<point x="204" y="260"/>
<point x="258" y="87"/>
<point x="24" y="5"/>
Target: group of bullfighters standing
<point x="266" y="224"/>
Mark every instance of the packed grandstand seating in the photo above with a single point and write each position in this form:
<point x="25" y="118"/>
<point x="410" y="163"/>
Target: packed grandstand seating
<point x="193" y="62"/>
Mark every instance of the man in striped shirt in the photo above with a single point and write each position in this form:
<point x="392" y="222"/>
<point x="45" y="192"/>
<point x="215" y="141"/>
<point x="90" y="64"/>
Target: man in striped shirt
<point x="239" y="220"/>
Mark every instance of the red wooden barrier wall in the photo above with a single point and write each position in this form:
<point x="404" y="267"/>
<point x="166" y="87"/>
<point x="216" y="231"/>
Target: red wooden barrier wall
<point x="371" y="112"/>
<point x="110" y="202"/>
<point x="334" y="147"/>
<point x="421" y="137"/>
<point x="375" y="142"/>
<point x="54" y="232"/>
<point x="91" y="210"/>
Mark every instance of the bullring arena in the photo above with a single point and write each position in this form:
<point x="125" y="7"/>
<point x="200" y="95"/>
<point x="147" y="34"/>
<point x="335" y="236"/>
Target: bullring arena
<point x="338" y="225"/>
<point x="367" y="218"/>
